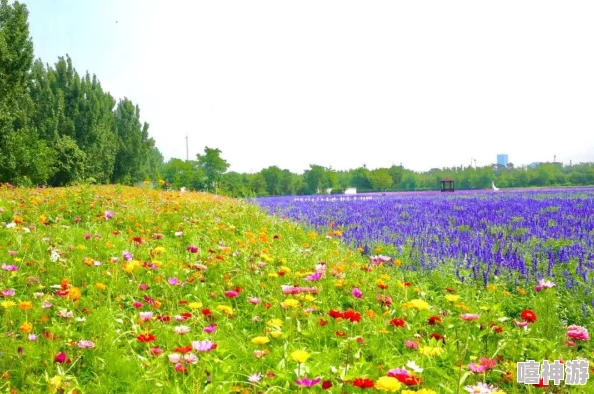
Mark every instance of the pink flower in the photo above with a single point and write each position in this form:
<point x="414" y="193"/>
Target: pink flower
<point x="8" y="292"/>
<point x="398" y="373"/>
<point x="146" y="316"/>
<point x="357" y="293"/>
<point x="182" y="330"/>
<point x="477" y="368"/>
<point x="204" y="346"/>
<point x="578" y="332"/>
<point x="87" y="236"/>
<point x="542" y="284"/>
<point x="32" y="337"/>
<point x="231" y="294"/>
<point x="174" y="358"/>
<point x="156" y="351"/>
<point x="13" y="252"/>
<point x="469" y="316"/>
<point x="521" y="323"/>
<point x="7" y="267"/>
<point x="109" y="214"/>
<point x="190" y="358"/>
<point x="411" y="344"/>
<point x="143" y="286"/>
<point x="157" y="236"/>
<point x="254" y="300"/>
<point x="210" y="329"/>
<point x="85" y="344"/>
<point x="137" y="304"/>
<point x="316" y="276"/>
<point x="306" y="382"/>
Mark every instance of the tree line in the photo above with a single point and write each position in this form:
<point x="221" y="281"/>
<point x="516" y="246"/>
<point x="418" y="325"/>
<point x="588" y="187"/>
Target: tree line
<point x="58" y="127"/>
<point x="209" y="173"/>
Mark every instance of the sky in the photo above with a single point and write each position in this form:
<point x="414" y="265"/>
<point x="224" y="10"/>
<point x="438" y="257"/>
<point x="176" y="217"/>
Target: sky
<point x="426" y="84"/>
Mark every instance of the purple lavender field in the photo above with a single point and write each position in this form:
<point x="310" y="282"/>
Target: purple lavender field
<point x="517" y="237"/>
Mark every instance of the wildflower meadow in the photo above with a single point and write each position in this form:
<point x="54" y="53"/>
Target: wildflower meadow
<point x="113" y="289"/>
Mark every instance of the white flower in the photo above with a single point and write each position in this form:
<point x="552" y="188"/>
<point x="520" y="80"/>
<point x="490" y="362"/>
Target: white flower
<point x="413" y="366"/>
<point x="179" y="233"/>
<point x="255" y="378"/>
<point x="181" y="330"/>
<point x="11" y="225"/>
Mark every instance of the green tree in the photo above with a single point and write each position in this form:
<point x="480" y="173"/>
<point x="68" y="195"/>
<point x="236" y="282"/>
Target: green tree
<point x="213" y="165"/>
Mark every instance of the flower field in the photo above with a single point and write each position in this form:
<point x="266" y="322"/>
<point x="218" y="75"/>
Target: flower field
<point x="125" y="290"/>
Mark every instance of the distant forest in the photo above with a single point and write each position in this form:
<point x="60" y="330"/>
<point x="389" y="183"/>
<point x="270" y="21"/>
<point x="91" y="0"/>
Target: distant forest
<point x="58" y="127"/>
<point x="209" y="173"/>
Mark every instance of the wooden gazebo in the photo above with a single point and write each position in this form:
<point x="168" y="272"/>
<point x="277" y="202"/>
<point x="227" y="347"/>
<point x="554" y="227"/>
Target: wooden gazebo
<point x="447" y="185"/>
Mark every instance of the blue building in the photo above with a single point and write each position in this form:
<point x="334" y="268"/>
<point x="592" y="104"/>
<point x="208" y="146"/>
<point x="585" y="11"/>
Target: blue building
<point x="502" y="160"/>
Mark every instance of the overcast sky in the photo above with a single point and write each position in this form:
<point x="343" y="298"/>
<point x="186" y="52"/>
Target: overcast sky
<point x="341" y="83"/>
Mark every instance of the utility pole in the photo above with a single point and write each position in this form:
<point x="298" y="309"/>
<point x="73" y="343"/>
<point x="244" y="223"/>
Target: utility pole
<point x="187" y="151"/>
<point x="554" y="159"/>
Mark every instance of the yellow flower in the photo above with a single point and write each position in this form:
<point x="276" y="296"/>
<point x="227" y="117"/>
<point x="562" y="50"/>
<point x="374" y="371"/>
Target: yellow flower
<point x="225" y="309"/>
<point x="340" y="283"/>
<point x="312" y="235"/>
<point x="286" y="270"/>
<point x="388" y="383"/>
<point x="276" y="334"/>
<point x="452" y="297"/>
<point x="272" y="275"/>
<point x="416" y="304"/>
<point x="26" y="327"/>
<point x="159" y="250"/>
<point x="195" y="305"/>
<point x="55" y="383"/>
<point x="100" y="286"/>
<point x="300" y="356"/>
<point x="290" y="303"/>
<point x="260" y="340"/>
<point x="24" y="305"/>
<point x="275" y="322"/>
<point x="430" y="351"/>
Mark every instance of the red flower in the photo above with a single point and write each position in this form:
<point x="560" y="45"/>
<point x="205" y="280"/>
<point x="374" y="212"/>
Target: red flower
<point x="541" y="384"/>
<point x="382" y="286"/>
<point x="206" y="312"/>
<point x="326" y="384"/>
<point x="146" y="338"/>
<point x="341" y="334"/>
<point x="323" y="322"/>
<point x="450" y="290"/>
<point x="183" y="349"/>
<point x="352" y="316"/>
<point x="434" y="320"/>
<point x="268" y="305"/>
<point x="410" y="380"/>
<point x="137" y="241"/>
<point x="407" y="284"/>
<point x="528" y="315"/>
<point x="363" y="383"/>
<point x="397" y="322"/>
<point x="335" y="314"/>
<point x="437" y="336"/>
<point x="164" y="318"/>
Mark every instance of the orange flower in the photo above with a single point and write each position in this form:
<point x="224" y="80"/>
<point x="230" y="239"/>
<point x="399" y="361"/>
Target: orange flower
<point x="26" y="327"/>
<point x="24" y="305"/>
<point x="74" y="293"/>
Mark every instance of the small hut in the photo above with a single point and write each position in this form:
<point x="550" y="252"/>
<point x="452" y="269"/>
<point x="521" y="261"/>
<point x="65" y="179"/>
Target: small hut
<point x="447" y="185"/>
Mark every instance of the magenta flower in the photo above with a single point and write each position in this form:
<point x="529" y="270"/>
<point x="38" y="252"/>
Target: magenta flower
<point x="8" y="267"/>
<point x="210" y="329"/>
<point x="156" y="351"/>
<point x="542" y="284"/>
<point x="87" y="236"/>
<point x="109" y="214"/>
<point x="231" y="294"/>
<point x="316" y="276"/>
<point x="192" y="249"/>
<point x="62" y="358"/>
<point x="174" y="281"/>
<point x="142" y="286"/>
<point x="578" y="332"/>
<point x="307" y="382"/>
<point x="357" y="293"/>
<point x="398" y="373"/>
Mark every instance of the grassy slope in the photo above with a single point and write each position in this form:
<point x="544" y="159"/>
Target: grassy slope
<point x="233" y="238"/>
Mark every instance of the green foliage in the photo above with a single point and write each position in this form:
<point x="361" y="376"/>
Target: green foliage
<point x="213" y="166"/>
<point x="67" y="118"/>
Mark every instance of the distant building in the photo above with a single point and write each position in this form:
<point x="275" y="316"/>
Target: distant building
<point x="502" y="160"/>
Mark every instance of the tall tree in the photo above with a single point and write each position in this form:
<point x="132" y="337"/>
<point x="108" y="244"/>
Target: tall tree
<point x="213" y="165"/>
